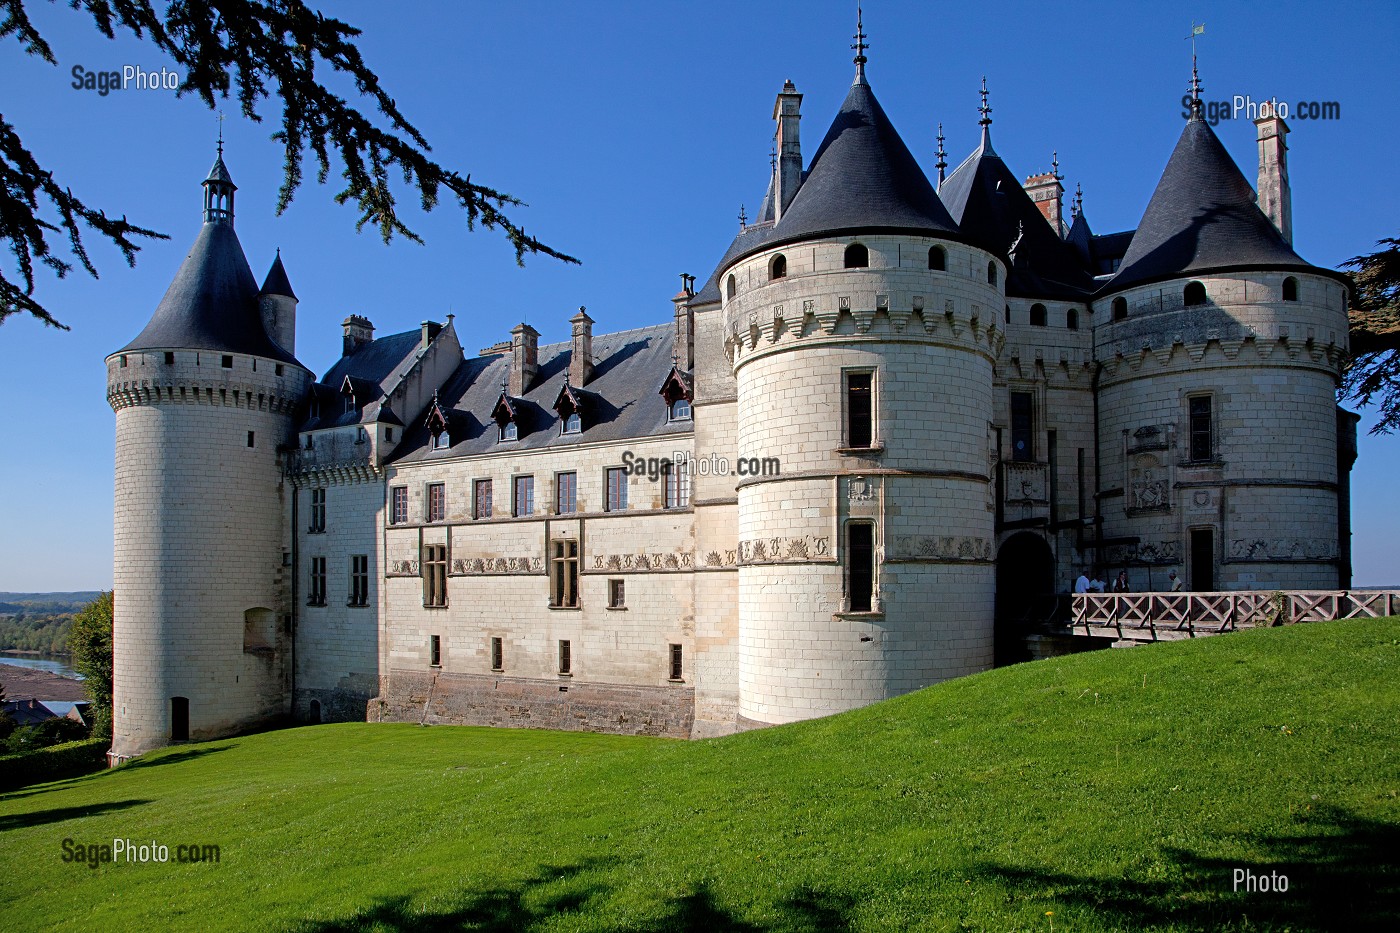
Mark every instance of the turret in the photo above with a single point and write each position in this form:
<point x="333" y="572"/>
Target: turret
<point x="278" y="304"/>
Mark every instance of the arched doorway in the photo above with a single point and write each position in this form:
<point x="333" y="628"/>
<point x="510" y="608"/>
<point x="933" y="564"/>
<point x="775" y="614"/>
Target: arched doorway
<point x="1025" y="593"/>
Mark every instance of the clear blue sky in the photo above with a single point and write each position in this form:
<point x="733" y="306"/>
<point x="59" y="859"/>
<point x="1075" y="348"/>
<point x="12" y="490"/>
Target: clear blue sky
<point x="635" y="130"/>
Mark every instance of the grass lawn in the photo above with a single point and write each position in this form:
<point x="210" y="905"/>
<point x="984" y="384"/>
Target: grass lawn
<point x="1117" y="790"/>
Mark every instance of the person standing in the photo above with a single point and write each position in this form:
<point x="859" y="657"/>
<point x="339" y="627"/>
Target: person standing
<point x="1121" y="584"/>
<point x="1082" y="584"/>
<point x="1175" y="582"/>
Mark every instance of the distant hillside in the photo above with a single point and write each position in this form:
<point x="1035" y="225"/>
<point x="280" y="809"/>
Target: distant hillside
<point x="45" y="603"/>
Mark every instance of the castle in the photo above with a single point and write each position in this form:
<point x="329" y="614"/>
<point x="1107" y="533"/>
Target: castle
<point x="896" y="416"/>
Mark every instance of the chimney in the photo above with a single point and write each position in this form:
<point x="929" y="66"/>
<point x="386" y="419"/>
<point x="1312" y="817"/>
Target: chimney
<point x="581" y="358"/>
<point x="430" y="330"/>
<point x="359" y="332"/>
<point x="1275" y="197"/>
<point x="788" y="143"/>
<point x="1047" y="193"/>
<point x="685" y="324"/>
<point x="524" y="358"/>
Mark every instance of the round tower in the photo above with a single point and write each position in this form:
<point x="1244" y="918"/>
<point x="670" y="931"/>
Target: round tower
<point x="203" y="399"/>
<point x="1220" y="350"/>
<point x="862" y="329"/>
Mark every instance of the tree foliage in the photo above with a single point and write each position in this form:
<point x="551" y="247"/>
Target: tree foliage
<point x="251" y="50"/>
<point x="1373" y="375"/>
<point x="90" y="643"/>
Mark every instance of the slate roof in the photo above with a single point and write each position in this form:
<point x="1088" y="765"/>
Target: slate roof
<point x="993" y="210"/>
<point x="1202" y="217"/>
<point x="276" y="282"/>
<point x="621" y="401"/>
<point x="220" y="172"/>
<point x="747" y="240"/>
<point x="373" y="370"/>
<point x="212" y="304"/>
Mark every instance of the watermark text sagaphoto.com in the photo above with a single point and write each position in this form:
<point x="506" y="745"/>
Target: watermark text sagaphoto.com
<point x="1242" y="106"/>
<point x="132" y="852"/>
<point x="129" y="77"/>
<point x="653" y="468"/>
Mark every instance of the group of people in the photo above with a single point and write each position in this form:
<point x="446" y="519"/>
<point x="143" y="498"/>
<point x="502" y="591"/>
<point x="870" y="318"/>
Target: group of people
<point x="1086" y="584"/>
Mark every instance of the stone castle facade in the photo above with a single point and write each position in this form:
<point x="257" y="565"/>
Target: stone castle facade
<point x="901" y="415"/>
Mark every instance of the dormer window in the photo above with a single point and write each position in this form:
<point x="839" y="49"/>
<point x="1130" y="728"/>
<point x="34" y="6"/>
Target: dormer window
<point x="572" y="424"/>
<point x="441" y="440"/>
<point x="509" y="432"/>
<point x="680" y="410"/>
<point x="439" y="426"/>
<point x="505" y="414"/>
<point x="569" y="405"/>
<point x="676" y="391"/>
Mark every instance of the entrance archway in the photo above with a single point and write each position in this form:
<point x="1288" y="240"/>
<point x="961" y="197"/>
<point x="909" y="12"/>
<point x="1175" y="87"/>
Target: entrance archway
<point x="1025" y="593"/>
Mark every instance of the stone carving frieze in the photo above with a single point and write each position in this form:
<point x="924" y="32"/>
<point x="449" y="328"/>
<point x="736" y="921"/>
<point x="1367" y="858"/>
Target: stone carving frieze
<point x="1281" y="549"/>
<point x="1149" y="485"/>
<point x="643" y="562"/>
<point x="1144" y="552"/>
<point x="484" y="566"/>
<point x="942" y="548"/>
<point x="403" y="568"/>
<point x="780" y="550"/>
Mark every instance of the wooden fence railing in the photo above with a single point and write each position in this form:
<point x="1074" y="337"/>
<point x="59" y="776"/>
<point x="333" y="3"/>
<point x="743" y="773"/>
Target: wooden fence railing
<point x="1167" y="616"/>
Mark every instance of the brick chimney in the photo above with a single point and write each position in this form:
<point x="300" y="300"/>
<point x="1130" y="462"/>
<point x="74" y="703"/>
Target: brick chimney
<point x="524" y="358"/>
<point x="430" y="330"/>
<point x="1047" y="193"/>
<point x="788" y="143"/>
<point x="359" y="332"/>
<point x="581" y="357"/>
<point x="685" y="324"/>
<point x="1275" y="196"/>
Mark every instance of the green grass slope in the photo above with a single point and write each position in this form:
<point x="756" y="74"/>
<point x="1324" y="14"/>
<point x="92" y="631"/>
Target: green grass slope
<point x="1108" y="791"/>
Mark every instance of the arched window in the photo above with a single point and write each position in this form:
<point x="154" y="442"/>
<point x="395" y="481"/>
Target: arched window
<point x="777" y="269"/>
<point x="937" y="259"/>
<point x="509" y="431"/>
<point x="1193" y="294"/>
<point x="1120" y="309"/>
<point x="857" y="256"/>
<point x="680" y="410"/>
<point x="1039" y="316"/>
<point x="572" y="424"/>
<point x="1072" y="319"/>
<point x="1290" y="289"/>
<point x="730" y="287"/>
<point x="991" y="273"/>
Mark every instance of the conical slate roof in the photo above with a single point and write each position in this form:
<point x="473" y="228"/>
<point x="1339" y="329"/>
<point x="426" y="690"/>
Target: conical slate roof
<point x="1202" y="217"/>
<point x="276" y="282"/>
<point x="212" y="304"/>
<point x="220" y="172"/>
<point x="863" y="179"/>
<point x="994" y="211"/>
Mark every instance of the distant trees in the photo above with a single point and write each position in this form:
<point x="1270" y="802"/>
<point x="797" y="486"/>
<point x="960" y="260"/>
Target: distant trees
<point x="90" y="643"/>
<point x="1373" y="375"/>
<point x="46" y="633"/>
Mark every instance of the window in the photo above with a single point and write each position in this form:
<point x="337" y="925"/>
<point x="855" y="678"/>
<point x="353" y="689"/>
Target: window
<point x="169" y="358"/>
<point x="437" y="502"/>
<point x="1008" y="314"/>
<point x="316" y="592"/>
<point x="859" y="423"/>
<point x="318" y="511"/>
<point x="524" y="495"/>
<point x="680" y="410"/>
<point x="566" y="661"/>
<point x="857" y="256"/>
<point x="509" y="432"/>
<point x="359" y="580"/>
<point x="572" y="424"/>
<point x="1072" y="319"/>
<point x="777" y="269"/>
<point x="860" y="561"/>
<point x="617" y="489"/>
<point x="678" y="486"/>
<point x="563" y="570"/>
<point x="1202" y="448"/>
<point x="1193" y="294"/>
<point x="310" y="444"/>
<point x="677" y="663"/>
<point x="1290" y="289"/>
<point x="617" y="594"/>
<point x="991" y="273"/>
<point x="434" y="576"/>
<point x="729" y="287"/>
<point x="360" y="436"/>
<point x="1120" y="309"/>
<point x="481" y="499"/>
<point x="226" y="362"/>
<point x="937" y="259"/>
<point x="497" y="655"/>
<point x="1022" y="426"/>
<point x="1039" y="316"/>
<point x="435" y="650"/>
<point x="389" y="435"/>
<point x="398" y="505"/>
<point x="123" y="366"/>
<point x="251" y="439"/>
<point x="565" y="493"/>
<point x="441" y="441"/>
<point x="279" y="368"/>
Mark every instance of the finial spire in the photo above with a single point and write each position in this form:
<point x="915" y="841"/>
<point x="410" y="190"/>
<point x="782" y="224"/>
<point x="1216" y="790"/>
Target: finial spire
<point x="221" y="134"/>
<point x="1078" y="207"/>
<point x="1197" y="107"/>
<point x="986" y="121"/>
<point x="1055" y="165"/>
<point x="942" y="162"/>
<point x="860" y="46"/>
<point x="743" y="218"/>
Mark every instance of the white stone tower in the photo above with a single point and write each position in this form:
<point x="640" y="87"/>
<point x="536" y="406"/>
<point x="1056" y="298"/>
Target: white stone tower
<point x="862" y="327"/>
<point x="204" y="398"/>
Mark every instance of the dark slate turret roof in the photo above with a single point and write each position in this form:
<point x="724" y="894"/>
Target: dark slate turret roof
<point x="863" y="177"/>
<point x="276" y="282"/>
<point x="993" y="210"/>
<point x="212" y="304"/>
<point x="747" y="240"/>
<point x="1202" y="217"/>
<point x="620" y="401"/>
<point x="220" y="172"/>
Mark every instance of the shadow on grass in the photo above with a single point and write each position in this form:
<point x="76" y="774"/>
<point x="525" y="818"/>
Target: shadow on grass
<point x="560" y="891"/>
<point x="174" y="758"/>
<point x="58" y="815"/>
<point x="1343" y="873"/>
